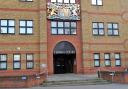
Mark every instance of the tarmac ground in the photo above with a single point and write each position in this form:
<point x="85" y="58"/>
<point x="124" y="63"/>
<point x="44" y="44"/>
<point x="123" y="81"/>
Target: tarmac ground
<point x="106" y="86"/>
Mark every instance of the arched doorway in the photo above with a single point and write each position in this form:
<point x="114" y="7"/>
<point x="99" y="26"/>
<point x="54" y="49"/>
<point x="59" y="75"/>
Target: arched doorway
<point x="64" y="56"/>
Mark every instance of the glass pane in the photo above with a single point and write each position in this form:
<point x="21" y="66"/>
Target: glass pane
<point x="60" y="24"/>
<point x="97" y="63"/>
<point x="67" y="31"/>
<point x="73" y="24"/>
<point x="95" y="25"/>
<point x="60" y="1"/>
<point x="96" y="56"/>
<point x="11" y="30"/>
<point x="116" y="32"/>
<point x="60" y="31"/>
<point x="95" y="32"/>
<point x="16" y="57"/>
<point x="53" y="24"/>
<point x="16" y="65"/>
<point x="66" y="1"/>
<point x="53" y="0"/>
<point x="99" y="2"/>
<point x="29" y="57"/>
<point x="72" y="1"/>
<point x="3" y="58"/>
<point x="117" y="56"/>
<point x="101" y="25"/>
<point x="107" y="56"/>
<point x="73" y="31"/>
<point x="3" y="65"/>
<point x="3" y="29"/>
<point x="3" y="22"/>
<point x="115" y="26"/>
<point x="22" y="23"/>
<point x="93" y="2"/>
<point x="11" y="23"/>
<point x="29" y="64"/>
<point x="29" y="30"/>
<point x="54" y="31"/>
<point x="109" y="32"/>
<point x="67" y="24"/>
<point x="22" y="30"/>
<point x="30" y="23"/>
<point x="101" y="32"/>
<point x="107" y="62"/>
<point x="110" y="25"/>
<point x="118" y="62"/>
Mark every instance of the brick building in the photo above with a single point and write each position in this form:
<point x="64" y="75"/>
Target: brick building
<point x="60" y="36"/>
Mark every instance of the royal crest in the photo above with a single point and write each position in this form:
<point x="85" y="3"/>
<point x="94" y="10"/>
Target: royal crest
<point x="63" y="11"/>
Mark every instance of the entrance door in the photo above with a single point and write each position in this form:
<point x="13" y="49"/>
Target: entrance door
<point x="64" y="58"/>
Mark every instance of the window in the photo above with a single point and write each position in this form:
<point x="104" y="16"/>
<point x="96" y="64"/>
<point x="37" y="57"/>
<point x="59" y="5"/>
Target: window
<point x="3" y="61"/>
<point x="29" y="61"/>
<point x="16" y="61"/>
<point x="98" y="28"/>
<point x="113" y="29"/>
<point x="26" y="27"/>
<point x="97" y="2"/>
<point x="7" y="26"/>
<point x="63" y="28"/>
<point x="63" y="1"/>
<point x="96" y="59"/>
<point x="107" y="59"/>
<point x="26" y="0"/>
<point x="117" y="59"/>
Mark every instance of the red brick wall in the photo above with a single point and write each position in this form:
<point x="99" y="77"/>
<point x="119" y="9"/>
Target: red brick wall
<point x="17" y="82"/>
<point x="118" y="77"/>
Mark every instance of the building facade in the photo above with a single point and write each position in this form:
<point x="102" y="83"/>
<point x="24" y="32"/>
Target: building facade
<point x="40" y="37"/>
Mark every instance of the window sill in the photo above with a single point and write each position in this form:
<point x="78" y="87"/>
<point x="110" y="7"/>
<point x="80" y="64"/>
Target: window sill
<point x="29" y="68"/>
<point x="26" y="34"/>
<point x="118" y="65"/>
<point x="108" y="66"/>
<point x="17" y="69"/>
<point x="24" y="1"/>
<point x="3" y="69"/>
<point x="96" y="5"/>
<point x="7" y="33"/>
<point x="96" y="66"/>
<point x="113" y="35"/>
<point x="98" y="35"/>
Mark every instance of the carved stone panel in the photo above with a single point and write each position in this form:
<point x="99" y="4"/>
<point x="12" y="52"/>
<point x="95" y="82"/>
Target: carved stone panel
<point x="63" y="11"/>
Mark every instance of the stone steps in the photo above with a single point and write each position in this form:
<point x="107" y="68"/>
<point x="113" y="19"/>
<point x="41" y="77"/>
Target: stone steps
<point x="95" y="81"/>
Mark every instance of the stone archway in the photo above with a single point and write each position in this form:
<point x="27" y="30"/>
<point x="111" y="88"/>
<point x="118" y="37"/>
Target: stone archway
<point x="64" y="55"/>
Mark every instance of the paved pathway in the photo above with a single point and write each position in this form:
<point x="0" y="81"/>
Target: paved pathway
<point x="107" y="86"/>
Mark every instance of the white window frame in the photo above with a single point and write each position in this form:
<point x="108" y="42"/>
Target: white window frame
<point x="3" y="61"/>
<point x="29" y="61"/>
<point x="96" y="57"/>
<point x="26" y="27"/>
<point x="97" y="2"/>
<point x="16" y="61"/>
<point x="63" y="1"/>
<point x="113" y="29"/>
<point x="117" y="59"/>
<point x="7" y="26"/>
<point x="98" y="28"/>
<point x="107" y="59"/>
<point x="62" y="28"/>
